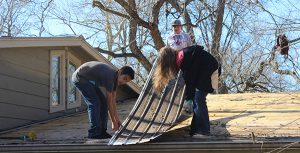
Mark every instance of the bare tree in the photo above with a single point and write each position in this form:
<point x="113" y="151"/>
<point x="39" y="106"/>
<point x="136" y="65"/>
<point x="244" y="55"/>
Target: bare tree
<point x="41" y="11"/>
<point x="129" y="11"/>
<point x="222" y="28"/>
<point x="14" y="17"/>
<point x="249" y="60"/>
<point x="24" y="17"/>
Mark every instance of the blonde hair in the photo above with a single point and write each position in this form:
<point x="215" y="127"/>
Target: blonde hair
<point x="166" y="68"/>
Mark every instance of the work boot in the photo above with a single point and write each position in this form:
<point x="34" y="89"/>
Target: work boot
<point x="102" y="136"/>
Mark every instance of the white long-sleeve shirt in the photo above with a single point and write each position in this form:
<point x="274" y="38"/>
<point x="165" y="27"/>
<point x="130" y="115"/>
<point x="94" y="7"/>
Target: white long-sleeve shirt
<point x="179" y="41"/>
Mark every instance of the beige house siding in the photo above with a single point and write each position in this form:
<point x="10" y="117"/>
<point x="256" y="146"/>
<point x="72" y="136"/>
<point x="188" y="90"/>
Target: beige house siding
<point x="25" y="71"/>
<point x="24" y="76"/>
<point x="24" y="86"/>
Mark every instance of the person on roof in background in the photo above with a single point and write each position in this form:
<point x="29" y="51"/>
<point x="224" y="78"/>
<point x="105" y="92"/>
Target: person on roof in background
<point x="178" y="40"/>
<point x="200" y="72"/>
<point x="87" y="79"/>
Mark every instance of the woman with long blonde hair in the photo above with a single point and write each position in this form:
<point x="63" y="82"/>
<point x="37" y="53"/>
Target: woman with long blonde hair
<point x="200" y="72"/>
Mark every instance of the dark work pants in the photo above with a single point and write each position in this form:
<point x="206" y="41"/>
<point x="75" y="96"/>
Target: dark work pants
<point x="97" y="106"/>
<point x="200" y="121"/>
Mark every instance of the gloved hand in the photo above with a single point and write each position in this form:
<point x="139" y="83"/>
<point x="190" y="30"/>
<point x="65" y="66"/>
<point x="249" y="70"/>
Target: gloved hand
<point x="188" y="106"/>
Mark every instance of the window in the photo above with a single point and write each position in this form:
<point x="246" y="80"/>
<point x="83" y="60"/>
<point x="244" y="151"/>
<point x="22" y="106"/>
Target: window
<point x="57" y="62"/>
<point x="73" y="97"/>
<point x="63" y="93"/>
<point x="55" y="83"/>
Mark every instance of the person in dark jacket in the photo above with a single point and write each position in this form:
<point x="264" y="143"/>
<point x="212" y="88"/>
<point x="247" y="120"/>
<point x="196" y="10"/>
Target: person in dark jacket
<point x="88" y="79"/>
<point x="200" y="72"/>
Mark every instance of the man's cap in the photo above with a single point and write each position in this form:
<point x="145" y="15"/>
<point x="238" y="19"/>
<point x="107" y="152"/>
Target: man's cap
<point x="176" y="23"/>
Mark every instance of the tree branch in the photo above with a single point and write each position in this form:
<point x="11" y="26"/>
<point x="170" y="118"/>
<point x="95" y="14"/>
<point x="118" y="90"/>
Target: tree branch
<point x="114" y="54"/>
<point x="134" y="48"/>
<point x="155" y="10"/>
<point x="130" y="8"/>
<point x="275" y="67"/>
<point x="102" y="7"/>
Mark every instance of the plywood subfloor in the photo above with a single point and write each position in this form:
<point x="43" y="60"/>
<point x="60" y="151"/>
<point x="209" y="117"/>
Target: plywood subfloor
<point x="242" y="116"/>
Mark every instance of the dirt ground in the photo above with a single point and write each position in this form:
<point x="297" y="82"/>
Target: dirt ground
<point x="250" y="116"/>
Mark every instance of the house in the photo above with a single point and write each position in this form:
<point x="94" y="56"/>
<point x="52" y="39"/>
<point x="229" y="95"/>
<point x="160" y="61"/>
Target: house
<point x="35" y="78"/>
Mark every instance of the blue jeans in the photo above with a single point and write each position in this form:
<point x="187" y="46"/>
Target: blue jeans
<point x="200" y="121"/>
<point x="96" y="106"/>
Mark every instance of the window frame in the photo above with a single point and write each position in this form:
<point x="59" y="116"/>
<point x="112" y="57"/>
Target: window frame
<point x="71" y="58"/>
<point x="61" y="105"/>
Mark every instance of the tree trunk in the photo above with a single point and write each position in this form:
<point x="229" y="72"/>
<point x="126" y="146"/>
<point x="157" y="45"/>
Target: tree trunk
<point x="217" y="37"/>
<point x="133" y="24"/>
<point x="218" y="30"/>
